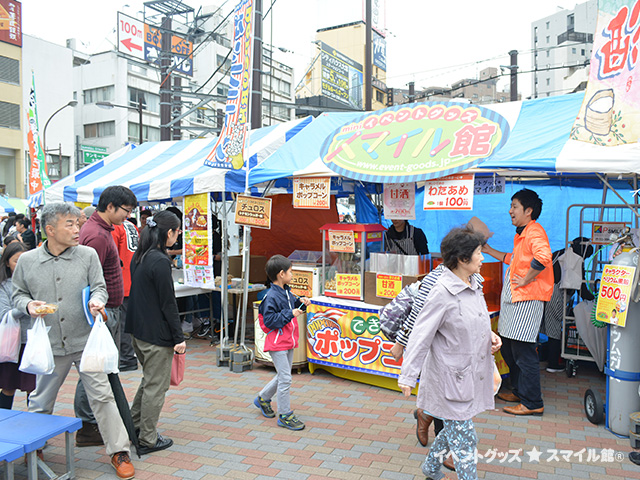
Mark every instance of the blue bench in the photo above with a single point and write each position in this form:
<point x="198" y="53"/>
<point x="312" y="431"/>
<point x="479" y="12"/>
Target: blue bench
<point x="31" y="431"/>
<point x="8" y="453"/>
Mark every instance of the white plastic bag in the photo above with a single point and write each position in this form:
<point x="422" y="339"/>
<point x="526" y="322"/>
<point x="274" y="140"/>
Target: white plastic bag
<point x="9" y="339"/>
<point x="100" y="354"/>
<point x="38" y="356"/>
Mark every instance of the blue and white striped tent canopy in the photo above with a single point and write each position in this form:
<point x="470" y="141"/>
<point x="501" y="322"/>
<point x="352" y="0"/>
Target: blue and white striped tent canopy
<point x="5" y="206"/>
<point x="160" y="171"/>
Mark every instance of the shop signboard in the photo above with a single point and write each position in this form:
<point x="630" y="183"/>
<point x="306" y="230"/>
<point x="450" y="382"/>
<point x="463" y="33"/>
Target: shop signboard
<point x="253" y="211"/>
<point x="196" y="244"/>
<point x="312" y="193"/>
<point x="341" y="77"/>
<point x="228" y="152"/>
<point x="349" y="338"/>
<point x="415" y="142"/>
<point x="615" y="293"/>
<point x="11" y="22"/>
<point x="349" y="285"/>
<point x="453" y="192"/>
<point x="181" y="50"/>
<point x="388" y="286"/>
<point x="341" y="241"/>
<point x="603" y="233"/>
<point x="131" y="36"/>
<point x="610" y="112"/>
<point x="92" y="154"/>
<point x="488" y="185"/>
<point x="400" y="201"/>
<point x="302" y="283"/>
<point x="379" y="51"/>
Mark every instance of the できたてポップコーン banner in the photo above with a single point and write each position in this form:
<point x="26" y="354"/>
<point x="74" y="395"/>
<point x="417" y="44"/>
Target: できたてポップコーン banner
<point x="409" y="143"/>
<point x="610" y="113"/>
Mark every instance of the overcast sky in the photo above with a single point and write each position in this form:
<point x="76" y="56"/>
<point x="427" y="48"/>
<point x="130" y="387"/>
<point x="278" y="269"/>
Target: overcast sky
<point x="433" y="43"/>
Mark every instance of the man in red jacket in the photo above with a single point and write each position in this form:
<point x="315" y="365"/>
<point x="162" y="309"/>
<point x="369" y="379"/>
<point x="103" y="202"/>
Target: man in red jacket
<point x="114" y="206"/>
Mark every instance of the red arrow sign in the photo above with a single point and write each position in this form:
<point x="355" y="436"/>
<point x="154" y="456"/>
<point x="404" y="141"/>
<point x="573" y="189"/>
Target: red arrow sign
<point x="129" y="44"/>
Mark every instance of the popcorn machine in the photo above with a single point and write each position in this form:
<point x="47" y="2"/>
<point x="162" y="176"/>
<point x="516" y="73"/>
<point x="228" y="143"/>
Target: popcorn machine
<point x="345" y="250"/>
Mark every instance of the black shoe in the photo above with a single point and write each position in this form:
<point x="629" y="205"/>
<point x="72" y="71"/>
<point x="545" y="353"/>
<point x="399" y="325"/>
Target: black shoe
<point x="89" y="436"/>
<point x="635" y="457"/>
<point x="204" y="331"/>
<point x="161" y="444"/>
<point x="128" y="368"/>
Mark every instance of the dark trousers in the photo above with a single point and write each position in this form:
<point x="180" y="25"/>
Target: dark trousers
<point x="524" y="371"/>
<point x="437" y="425"/>
<point x="127" y="355"/>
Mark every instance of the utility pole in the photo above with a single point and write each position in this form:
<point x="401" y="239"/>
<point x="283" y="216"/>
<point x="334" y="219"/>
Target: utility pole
<point x="412" y="92"/>
<point x="256" y="84"/>
<point x="176" y="107"/>
<point x="165" y="80"/>
<point x="368" y="70"/>
<point x="513" y="67"/>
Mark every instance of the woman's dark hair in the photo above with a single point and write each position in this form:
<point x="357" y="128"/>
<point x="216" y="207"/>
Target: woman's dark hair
<point x="11" y="221"/>
<point x="9" y="239"/>
<point x="529" y="199"/>
<point x="275" y="265"/>
<point x="176" y="211"/>
<point x="459" y="245"/>
<point x="24" y="222"/>
<point x="9" y="251"/>
<point x="155" y="233"/>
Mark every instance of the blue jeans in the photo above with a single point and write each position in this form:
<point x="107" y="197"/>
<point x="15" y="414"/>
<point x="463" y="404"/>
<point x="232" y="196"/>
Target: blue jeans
<point x="524" y="371"/>
<point x="281" y="383"/>
<point x="459" y="438"/>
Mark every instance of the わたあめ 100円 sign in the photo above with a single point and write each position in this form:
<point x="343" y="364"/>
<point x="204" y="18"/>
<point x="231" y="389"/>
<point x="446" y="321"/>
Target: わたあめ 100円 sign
<point x="415" y="142"/>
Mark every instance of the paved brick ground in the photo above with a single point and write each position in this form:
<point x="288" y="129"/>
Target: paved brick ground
<point x="354" y="432"/>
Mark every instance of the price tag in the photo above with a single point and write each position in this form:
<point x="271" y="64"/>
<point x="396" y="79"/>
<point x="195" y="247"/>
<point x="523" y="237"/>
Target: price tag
<point x="349" y="285"/>
<point x="342" y="241"/>
<point x="615" y="293"/>
<point x="388" y="286"/>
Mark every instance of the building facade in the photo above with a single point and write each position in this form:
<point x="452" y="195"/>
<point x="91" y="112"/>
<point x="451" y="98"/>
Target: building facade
<point x="562" y="45"/>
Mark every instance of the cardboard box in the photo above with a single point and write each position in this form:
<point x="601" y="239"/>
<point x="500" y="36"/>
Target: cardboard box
<point x="370" y="287"/>
<point x="256" y="268"/>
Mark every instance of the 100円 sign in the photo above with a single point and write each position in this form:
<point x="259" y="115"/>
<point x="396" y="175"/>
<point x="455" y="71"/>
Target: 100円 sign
<point x="253" y="212"/>
<point x="415" y="142"/>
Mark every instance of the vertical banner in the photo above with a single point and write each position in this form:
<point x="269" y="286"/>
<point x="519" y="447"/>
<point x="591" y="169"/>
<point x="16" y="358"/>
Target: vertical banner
<point x="38" y="178"/>
<point x="400" y="201"/>
<point x="229" y="149"/>
<point x="453" y="192"/>
<point x="610" y="113"/>
<point x="196" y="244"/>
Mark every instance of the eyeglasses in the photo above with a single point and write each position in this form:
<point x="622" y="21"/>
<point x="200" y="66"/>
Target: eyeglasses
<point x="128" y="211"/>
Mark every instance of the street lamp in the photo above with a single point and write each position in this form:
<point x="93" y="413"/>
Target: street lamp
<point x="109" y="106"/>
<point x="72" y="103"/>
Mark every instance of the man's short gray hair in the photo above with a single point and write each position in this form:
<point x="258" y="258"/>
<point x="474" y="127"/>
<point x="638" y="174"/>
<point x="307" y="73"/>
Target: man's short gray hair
<point x="52" y="212"/>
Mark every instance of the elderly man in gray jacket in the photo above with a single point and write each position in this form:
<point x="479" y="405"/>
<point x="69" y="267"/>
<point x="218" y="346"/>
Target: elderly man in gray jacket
<point x="57" y="272"/>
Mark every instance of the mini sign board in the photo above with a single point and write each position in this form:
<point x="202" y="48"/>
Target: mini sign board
<point x="388" y="286"/>
<point x="489" y="185"/>
<point x="603" y="233"/>
<point x="453" y="192"/>
<point x="400" y="201"/>
<point x="341" y="241"/>
<point x="349" y="285"/>
<point x="253" y="212"/>
<point x="92" y="154"/>
<point x="302" y="283"/>
<point x="11" y="22"/>
<point x="131" y="36"/>
<point x="312" y="193"/>
<point x="615" y="290"/>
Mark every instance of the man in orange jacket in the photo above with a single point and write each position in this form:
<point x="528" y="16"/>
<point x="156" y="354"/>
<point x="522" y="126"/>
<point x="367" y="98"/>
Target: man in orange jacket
<point x="528" y="284"/>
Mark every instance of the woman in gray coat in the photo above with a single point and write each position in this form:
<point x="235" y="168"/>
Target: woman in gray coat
<point x="456" y="377"/>
<point x="12" y="379"/>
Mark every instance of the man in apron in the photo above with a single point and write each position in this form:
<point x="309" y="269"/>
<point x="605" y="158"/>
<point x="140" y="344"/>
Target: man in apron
<point x="405" y="239"/>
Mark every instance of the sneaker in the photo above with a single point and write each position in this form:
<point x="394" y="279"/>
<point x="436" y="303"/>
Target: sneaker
<point x="89" y="436"/>
<point x="264" y="406"/>
<point x="290" y="421"/>
<point x="555" y="369"/>
<point x="162" y="443"/>
<point x="121" y="462"/>
<point x="204" y="332"/>
<point x="187" y="327"/>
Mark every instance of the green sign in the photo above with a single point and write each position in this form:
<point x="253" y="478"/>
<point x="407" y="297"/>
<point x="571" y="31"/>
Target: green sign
<point x="90" y="157"/>
<point x="90" y="148"/>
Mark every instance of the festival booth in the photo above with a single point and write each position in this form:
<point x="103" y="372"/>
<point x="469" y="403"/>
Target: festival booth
<point x="515" y="144"/>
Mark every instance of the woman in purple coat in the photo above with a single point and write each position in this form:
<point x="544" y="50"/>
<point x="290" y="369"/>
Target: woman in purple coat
<point x="450" y="349"/>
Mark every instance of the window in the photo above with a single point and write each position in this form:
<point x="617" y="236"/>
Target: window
<point x="548" y="25"/>
<point x="227" y="63"/>
<point x="223" y="90"/>
<point x="548" y="82"/>
<point x="548" y="53"/>
<point x="548" y="38"/>
<point x="582" y="52"/>
<point x="574" y="50"/>
<point x="149" y="134"/>
<point x="571" y="22"/>
<point x="9" y="70"/>
<point x="379" y="96"/>
<point x="150" y="101"/>
<point x="103" y="129"/>
<point x="100" y="94"/>
<point x="9" y="115"/>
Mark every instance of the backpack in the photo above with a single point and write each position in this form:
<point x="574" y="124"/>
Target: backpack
<point x="393" y="315"/>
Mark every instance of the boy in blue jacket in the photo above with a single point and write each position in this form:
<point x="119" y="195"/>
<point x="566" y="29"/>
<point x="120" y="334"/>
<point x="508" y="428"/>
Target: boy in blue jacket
<point x="277" y="319"/>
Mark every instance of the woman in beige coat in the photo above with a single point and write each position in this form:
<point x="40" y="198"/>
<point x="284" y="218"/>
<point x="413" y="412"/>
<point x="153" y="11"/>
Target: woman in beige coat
<point x="456" y="377"/>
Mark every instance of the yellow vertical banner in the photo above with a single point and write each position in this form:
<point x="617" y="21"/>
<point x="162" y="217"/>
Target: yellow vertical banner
<point x="196" y="244"/>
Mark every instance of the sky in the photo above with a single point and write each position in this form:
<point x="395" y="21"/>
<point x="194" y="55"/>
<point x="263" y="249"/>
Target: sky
<point x="430" y="43"/>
